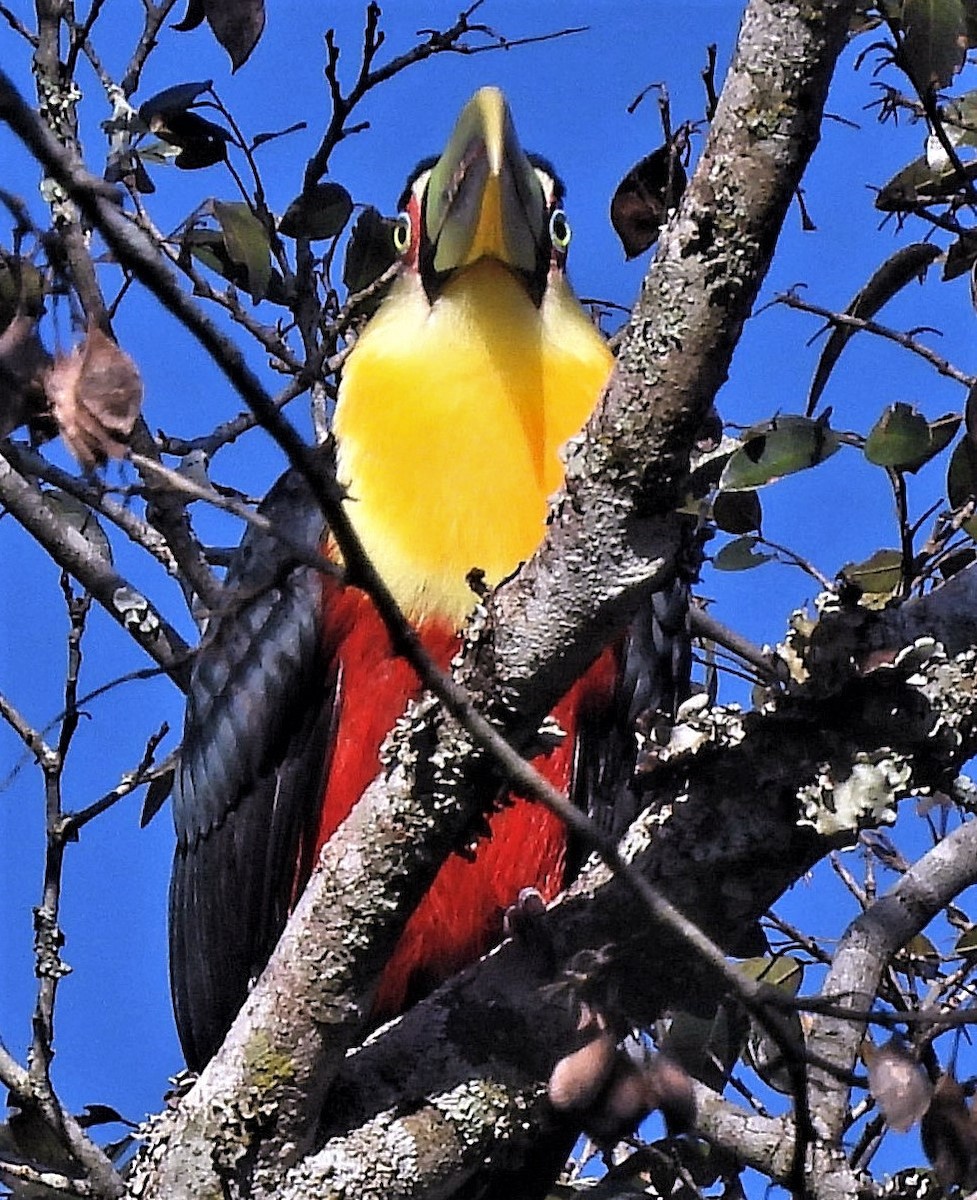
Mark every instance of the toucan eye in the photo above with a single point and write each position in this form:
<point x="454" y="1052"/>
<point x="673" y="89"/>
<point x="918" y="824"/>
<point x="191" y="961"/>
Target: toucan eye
<point x="560" y="229"/>
<point x="402" y="233"/>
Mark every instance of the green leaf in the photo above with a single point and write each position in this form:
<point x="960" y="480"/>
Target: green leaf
<point x="966" y="943"/>
<point x="781" y="447"/>
<point x="778" y="970"/>
<point x="900" y="269"/>
<point x="934" y="42"/>
<point x="921" y="183"/>
<point x="246" y="241"/>
<point x="737" y="512"/>
<point x="878" y="575"/>
<point x="922" y="955"/>
<point x="321" y="212"/>
<point x="942" y="432"/>
<point x="740" y="555"/>
<point x="900" y="436"/>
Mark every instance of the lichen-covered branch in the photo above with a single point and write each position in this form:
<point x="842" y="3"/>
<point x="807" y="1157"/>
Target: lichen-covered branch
<point x="84" y="560"/>
<point x="582" y="587"/>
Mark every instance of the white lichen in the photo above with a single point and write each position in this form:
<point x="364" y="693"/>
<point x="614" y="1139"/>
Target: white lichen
<point x="867" y="796"/>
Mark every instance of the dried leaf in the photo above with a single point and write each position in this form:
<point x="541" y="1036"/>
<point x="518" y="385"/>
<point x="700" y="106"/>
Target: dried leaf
<point x="898" y="1083"/>
<point x="95" y="392"/>
<point x="645" y="195"/>
<point x="237" y="25"/>
<point x="23" y="368"/>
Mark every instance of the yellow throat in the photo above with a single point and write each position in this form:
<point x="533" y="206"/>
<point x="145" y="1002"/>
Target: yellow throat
<point x="449" y="424"/>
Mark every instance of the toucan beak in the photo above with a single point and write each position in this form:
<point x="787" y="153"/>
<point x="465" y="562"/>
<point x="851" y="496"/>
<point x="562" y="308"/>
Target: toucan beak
<point x="483" y="198"/>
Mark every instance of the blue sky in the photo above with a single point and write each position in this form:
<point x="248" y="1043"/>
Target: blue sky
<point x="115" y="1039"/>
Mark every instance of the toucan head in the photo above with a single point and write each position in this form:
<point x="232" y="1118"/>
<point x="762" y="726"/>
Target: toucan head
<point x="483" y="198"/>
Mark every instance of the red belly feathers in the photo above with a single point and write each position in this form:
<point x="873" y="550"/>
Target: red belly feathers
<point x="460" y="917"/>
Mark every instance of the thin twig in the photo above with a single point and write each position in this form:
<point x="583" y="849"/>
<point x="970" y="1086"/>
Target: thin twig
<point x="941" y="365"/>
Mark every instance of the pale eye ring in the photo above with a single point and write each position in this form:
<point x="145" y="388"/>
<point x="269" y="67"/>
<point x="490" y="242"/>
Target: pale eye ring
<point x="402" y="233"/>
<point x="560" y="229"/>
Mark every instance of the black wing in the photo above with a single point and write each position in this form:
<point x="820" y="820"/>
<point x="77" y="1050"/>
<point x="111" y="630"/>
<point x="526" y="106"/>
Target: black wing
<point x="255" y="749"/>
<point x="653" y="679"/>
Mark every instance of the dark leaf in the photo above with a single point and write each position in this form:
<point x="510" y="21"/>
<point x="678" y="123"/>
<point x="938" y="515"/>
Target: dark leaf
<point x="246" y="241"/>
<point x="785" y="445"/>
<point x="101" y="1114"/>
<point x="237" y="25"/>
<point x="321" y="212"/>
<point x="737" y="512"/>
<point x="907" y="264"/>
<point x="369" y="254"/>
<point x="205" y="153"/>
<point x="194" y="17"/>
<point x="898" y="1083"/>
<point x="644" y="197"/>
<point x="261" y="138"/>
<point x="934" y="42"/>
<point x="202" y="143"/>
<point x="877" y="575"/>
<point x="961" y="480"/>
<point x="706" y="1047"/>
<point x="949" y="1136"/>
<point x="955" y="561"/>
<point x="173" y="99"/>
<point x="970" y="415"/>
<point x="960" y="256"/>
<point x="157" y="793"/>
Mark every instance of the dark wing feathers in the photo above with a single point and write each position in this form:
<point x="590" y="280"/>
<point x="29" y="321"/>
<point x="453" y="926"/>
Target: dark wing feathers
<point x="254" y="754"/>
<point x="653" y="678"/>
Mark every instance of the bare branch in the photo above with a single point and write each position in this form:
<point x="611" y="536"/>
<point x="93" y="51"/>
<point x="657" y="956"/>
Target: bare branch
<point x="120" y="599"/>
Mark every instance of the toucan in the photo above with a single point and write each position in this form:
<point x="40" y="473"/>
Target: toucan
<point x="453" y="408"/>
